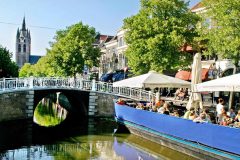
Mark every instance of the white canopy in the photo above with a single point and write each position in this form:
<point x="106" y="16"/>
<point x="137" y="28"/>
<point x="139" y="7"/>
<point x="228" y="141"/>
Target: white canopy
<point x="152" y="80"/>
<point x="229" y="83"/>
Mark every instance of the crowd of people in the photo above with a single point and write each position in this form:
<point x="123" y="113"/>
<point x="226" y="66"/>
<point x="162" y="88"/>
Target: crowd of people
<point x="227" y="118"/>
<point x="220" y="116"/>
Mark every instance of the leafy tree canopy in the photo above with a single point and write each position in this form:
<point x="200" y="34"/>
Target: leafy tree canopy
<point x="26" y="70"/>
<point x="73" y="47"/>
<point x="71" y="50"/>
<point x="8" y="68"/>
<point x="157" y="33"/>
<point x="221" y="28"/>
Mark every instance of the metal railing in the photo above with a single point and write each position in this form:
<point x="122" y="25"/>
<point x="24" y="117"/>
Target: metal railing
<point x="32" y="83"/>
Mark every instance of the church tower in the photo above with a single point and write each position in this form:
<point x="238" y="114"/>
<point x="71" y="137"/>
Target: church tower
<point x="23" y="45"/>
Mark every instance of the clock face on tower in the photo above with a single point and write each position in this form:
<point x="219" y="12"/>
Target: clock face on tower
<point x="21" y="39"/>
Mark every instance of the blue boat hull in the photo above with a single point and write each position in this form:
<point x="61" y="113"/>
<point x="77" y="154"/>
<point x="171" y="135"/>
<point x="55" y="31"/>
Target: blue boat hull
<point x="217" y="140"/>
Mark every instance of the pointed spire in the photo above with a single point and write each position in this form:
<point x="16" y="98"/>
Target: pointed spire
<point x="18" y="33"/>
<point x="29" y="35"/>
<point x="24" y="24"/>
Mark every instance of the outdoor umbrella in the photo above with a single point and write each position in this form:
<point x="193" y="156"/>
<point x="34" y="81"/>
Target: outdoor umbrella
<point x="195" y="99"/>
<point x="229" y="83"/>
<point x="152" y="80"/>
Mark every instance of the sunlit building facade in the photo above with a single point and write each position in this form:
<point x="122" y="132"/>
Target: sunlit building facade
<point x="112" y="53"/>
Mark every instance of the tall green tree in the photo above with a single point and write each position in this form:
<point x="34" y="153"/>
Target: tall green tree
<point x="44" y="68"/>
<point x="221" y="28"/>
<point x="73" y="48"/>
<point x="157" y="33"/>
<point x="8" y="68"/>
<point x="26" y="70"/>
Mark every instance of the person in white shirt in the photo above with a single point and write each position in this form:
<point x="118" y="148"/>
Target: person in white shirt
<point x="219" y="107"/>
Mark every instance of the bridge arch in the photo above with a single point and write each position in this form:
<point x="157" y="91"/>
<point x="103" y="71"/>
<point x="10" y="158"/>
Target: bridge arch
<point x="79" y="100"/>
<point x="84" y="93"/>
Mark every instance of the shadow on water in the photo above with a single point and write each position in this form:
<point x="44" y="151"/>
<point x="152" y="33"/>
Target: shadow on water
<point x="76" y="138"/>
<point x="81" y="138"/>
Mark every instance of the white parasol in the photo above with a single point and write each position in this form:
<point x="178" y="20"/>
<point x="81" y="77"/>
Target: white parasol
<point x="195" y="99"/>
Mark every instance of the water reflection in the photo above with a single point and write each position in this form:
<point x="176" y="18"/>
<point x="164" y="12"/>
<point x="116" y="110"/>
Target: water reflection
<point x="91" y="140"/>
<point x="51" y="111"/>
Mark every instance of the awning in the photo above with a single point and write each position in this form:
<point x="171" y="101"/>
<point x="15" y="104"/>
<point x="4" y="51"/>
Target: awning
<point x="152" y="80"/>
<point x="186" y="75"/>
<point x="204" y="74"/>
<point x="229" y="83"/>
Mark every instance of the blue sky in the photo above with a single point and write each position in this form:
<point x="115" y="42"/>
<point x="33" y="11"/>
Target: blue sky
<point x="104" y="15"/>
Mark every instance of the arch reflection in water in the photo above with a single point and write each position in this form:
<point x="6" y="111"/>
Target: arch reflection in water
<point x="102" y="147"/>
<point x="51" y="111"/>
<point x="81" y="142"/>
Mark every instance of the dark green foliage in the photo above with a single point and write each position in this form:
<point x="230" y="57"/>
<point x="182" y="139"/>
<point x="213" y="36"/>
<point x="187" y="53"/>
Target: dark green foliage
<point x="8" y="68"/>
<point x="72" y="49"/>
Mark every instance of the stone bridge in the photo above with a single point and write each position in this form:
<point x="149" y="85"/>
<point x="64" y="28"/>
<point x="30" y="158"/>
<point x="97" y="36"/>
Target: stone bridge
<point x="20" y="96"/>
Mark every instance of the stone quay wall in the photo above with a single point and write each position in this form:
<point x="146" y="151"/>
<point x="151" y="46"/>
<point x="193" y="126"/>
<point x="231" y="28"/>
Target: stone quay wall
<point x="101" y="105"/>
<point x="16" y="105"/>
<point x="20" y="105"/>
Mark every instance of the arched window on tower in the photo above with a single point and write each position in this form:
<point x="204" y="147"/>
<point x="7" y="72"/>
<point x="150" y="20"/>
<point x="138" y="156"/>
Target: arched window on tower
<point x="24" y="48"/>
<point x="19" y="48"/>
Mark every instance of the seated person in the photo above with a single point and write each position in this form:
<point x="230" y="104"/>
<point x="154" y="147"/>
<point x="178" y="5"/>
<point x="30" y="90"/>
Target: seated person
<point x="164" y="108"/>
<point x="160" y="103"/>
<point x="221" y="116"/>
<point x="182" y="95"/>
<point x="225" y="120"/>
<point x="175" y="113"/>
<point x="231" y="113"/>
<point x="206" y="111"/>
<point x="237" y="120"/>
<point x="153" y="109"/>
<point x="149" y="105"/>
<point x="236" y="124"/>
<point x="237" y="117"/>
<point x="190" y="114"/>
<point x="178" y="91"/>
<point x="121" y="101"/>
<point x="202" y="118"/>
<point x="140" y="106"/>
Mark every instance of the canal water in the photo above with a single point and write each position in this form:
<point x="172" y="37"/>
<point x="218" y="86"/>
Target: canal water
<point x="86" y="139"/>
<point x="52" y="134"/>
